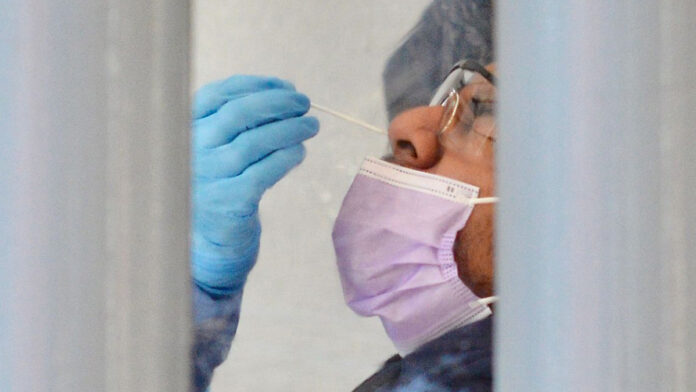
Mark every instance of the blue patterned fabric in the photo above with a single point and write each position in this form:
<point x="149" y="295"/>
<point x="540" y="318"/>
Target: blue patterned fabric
<point x="460" y="360"/>
<point x="215" y="323"/>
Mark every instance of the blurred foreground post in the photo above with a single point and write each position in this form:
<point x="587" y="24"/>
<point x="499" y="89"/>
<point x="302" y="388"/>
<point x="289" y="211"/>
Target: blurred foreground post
<point x="597" y="225"/>
<point x="94" y="195"/>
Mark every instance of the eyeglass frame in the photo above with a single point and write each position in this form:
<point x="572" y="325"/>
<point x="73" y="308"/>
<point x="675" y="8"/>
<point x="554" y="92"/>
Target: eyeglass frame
<point x="459" y="76"/>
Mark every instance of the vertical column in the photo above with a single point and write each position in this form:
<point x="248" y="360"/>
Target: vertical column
<point x="678" y="186"/>
<point x="94" y="179"/>
<point x="595" y="177"/>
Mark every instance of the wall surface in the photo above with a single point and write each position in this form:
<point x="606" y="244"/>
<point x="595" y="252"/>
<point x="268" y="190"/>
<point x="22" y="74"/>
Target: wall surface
<point x="296" y="333"/>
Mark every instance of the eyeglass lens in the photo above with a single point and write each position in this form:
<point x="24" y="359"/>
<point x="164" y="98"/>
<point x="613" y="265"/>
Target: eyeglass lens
<point x="469" y="110"/>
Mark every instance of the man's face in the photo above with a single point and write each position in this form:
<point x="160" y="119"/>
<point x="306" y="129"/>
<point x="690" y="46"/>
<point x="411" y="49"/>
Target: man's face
<point x="464" y="156"/>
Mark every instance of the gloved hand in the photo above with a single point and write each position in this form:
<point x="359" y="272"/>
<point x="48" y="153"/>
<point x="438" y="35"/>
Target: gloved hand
<point x="247" y="134"/>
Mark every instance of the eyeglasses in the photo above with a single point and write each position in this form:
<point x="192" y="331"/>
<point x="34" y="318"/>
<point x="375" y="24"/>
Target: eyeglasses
<point x="468" y="97"/>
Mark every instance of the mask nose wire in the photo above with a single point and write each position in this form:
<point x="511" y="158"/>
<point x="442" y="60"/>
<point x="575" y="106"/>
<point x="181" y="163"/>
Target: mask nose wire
<point x="348" y="118"/>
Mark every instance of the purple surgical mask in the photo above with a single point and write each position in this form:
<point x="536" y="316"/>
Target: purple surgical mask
<point x="393" y="239"/>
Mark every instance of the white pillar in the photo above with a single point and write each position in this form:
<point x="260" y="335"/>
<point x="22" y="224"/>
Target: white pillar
<point x="597" y="224"/>
<point x="94" y="195"/>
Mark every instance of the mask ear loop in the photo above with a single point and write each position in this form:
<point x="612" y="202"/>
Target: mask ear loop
<point x="488" y="300"/>
<point x="483" y="200"/>
<point x="485" y="302"/>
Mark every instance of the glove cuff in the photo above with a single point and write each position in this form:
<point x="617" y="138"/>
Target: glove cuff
<point x="217" y="292"/>
<point x="220" y="276"/>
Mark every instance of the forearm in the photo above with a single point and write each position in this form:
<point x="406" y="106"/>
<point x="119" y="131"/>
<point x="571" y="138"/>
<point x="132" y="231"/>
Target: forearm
<point x="216" y="320"/>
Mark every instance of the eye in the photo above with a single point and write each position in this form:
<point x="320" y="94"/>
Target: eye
<point x="482" y="107"/>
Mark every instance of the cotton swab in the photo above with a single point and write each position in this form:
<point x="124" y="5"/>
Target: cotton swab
<point x="348" y="118"/>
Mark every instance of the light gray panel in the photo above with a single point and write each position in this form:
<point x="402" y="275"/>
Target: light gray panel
<point x="592" y="169"/>
<point x="94" y="180"/>
<point x="678" y="175"/>
<point x="148" y="290"/>
<point x="53" y="188"/>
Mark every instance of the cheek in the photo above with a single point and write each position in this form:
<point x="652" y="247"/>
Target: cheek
<point x="477" y="170"/>
<point x="473" y="252"/>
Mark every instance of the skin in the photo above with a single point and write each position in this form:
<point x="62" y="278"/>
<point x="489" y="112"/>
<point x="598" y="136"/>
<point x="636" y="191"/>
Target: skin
<point x="466" y="157"/>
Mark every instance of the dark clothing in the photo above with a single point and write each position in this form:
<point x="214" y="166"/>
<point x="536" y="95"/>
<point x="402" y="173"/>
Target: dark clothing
<point x="215" y="320"/>
<point x="460" y="360"/>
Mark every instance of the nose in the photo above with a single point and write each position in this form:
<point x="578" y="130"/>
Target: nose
<point x="413" y="137"/>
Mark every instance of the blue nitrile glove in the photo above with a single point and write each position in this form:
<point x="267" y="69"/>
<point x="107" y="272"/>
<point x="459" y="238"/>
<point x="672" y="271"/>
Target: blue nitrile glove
<point x="247" y="135"/>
